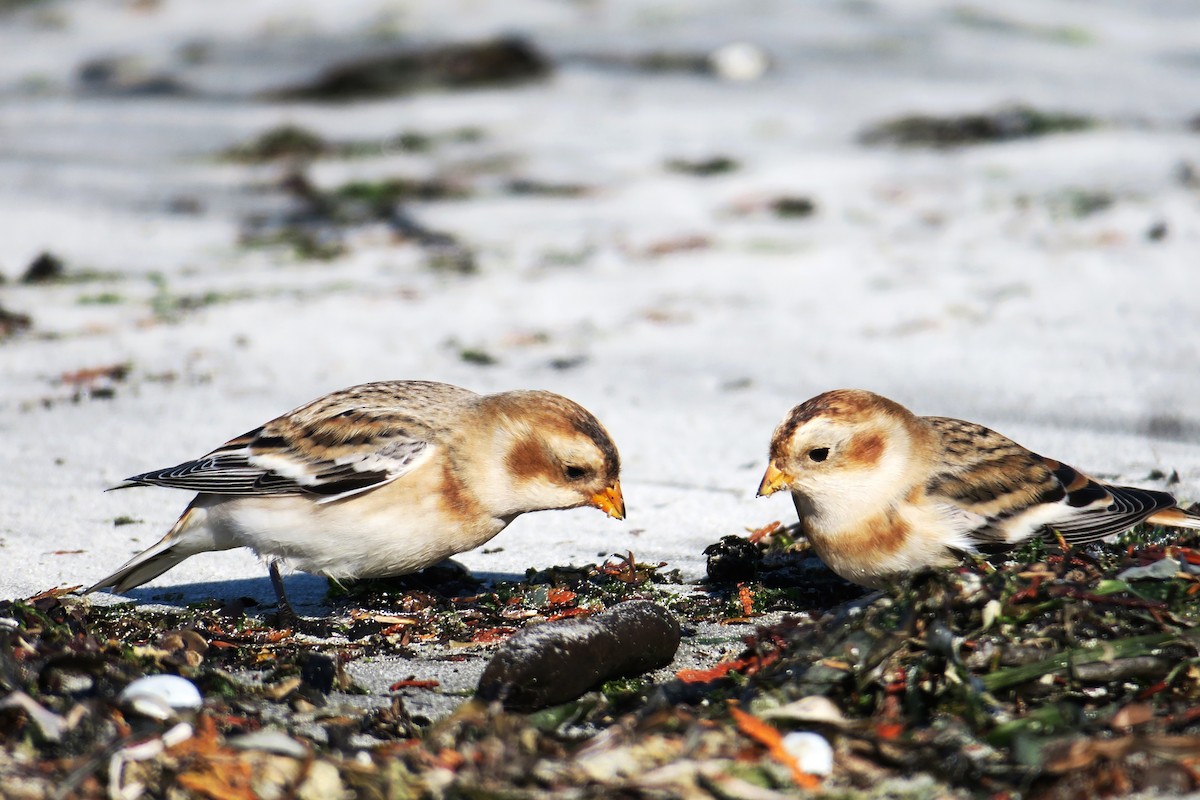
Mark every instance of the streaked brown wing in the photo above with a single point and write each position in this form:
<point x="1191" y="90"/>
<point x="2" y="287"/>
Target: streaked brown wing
<point x="1018" y="493"/>
<point x="336" y="446"/>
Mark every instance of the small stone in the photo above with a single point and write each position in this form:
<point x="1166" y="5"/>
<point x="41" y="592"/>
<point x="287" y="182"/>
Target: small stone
<point x="12" y="322"/>
<point x="319" y="671"/>
<point x="322" y="783"/>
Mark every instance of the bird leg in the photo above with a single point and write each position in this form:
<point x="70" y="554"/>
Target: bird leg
<point x="285" y="616"/>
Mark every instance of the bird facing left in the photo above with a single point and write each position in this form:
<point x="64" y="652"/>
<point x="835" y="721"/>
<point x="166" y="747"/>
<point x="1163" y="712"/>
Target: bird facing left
<point x="383" y="479"/>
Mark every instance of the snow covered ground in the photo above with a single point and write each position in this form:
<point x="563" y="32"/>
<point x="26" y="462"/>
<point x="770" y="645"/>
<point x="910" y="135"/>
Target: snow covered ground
<point x="1046" y="286"/>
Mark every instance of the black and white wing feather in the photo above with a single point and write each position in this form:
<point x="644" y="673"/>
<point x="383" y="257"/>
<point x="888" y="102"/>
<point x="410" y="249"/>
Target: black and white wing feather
<point x="1094" y="510"/>
<point x="343" y="444"/>
<point x="1006" y="494"/>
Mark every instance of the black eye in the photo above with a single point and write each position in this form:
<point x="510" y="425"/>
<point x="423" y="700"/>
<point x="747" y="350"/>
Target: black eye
<point x="575" y="473"/>
<point x="819" y="453"/>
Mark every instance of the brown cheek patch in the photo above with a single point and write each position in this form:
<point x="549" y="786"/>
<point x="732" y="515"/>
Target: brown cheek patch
<point x="865" y="450"/>
<point x="526" y="459"/>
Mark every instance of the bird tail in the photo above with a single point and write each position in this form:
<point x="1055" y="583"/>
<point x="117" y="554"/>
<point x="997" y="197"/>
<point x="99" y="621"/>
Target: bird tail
<point x="181" y="542"/>
<point x="1175" y="518"/>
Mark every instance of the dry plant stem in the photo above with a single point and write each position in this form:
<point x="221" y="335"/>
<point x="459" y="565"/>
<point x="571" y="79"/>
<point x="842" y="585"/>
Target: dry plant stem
<point x="1125" y="648"/>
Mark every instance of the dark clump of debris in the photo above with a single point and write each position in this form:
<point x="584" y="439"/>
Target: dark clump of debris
<point x="531" y="187"/>
<point x="95" y="383"/>
<point x="127" y="76"/>
<point x="786" y="574"/>
<point x="315" y="226"/>
<point x="283" y="142"/>
<point x="46" y="268"/>
<point x="456" y="66"/>
<point x="738" y="61"/>
<point x="704" y="167"/>
<point x="1052" y="675"/>
<point x="1001" y="125"/>
<point x="296" y="143"/>
<point x="794" y="207"/>
<point x="478" y="357"/>
<point x="13" y="322"/>
<point x="378" y="198"/>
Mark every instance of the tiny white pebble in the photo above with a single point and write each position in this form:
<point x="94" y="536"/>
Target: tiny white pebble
<point x="991" y="612"/>
<point x="739" y="61"/>
<point x="812" y="752"/>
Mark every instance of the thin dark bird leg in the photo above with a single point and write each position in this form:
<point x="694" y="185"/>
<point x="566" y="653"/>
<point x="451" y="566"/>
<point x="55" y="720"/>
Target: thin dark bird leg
<point x="286" y="617"/>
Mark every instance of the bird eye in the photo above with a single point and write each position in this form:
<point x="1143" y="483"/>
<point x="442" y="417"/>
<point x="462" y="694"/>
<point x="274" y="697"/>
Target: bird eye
<point x="819" y="453"/>
<point x="575" y="473"/>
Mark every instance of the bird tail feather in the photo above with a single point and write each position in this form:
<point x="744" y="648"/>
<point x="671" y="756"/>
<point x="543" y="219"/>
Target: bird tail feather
<point x="1175" y="518"/>
<point x="181" y="542"/>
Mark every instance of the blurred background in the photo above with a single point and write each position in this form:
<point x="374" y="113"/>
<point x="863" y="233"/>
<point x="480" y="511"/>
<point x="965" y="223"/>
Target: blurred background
<point x="688" y="216"/>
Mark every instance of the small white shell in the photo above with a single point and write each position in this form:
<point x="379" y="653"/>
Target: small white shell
<point x="815" y="708"/>
<point x="812" y="752"/>
<point x="739" y="61"/>
<point x="159" y="696"/>
<point x="1160" y="570"/>
<point x="272" y="741"/>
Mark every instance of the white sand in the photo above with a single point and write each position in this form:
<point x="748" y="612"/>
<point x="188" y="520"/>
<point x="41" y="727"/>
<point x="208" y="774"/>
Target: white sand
<point x="953" y="282"/>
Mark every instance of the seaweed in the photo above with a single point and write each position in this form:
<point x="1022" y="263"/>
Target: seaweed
<point x="1046" y="674"/>
<point x="1001" y="125"/>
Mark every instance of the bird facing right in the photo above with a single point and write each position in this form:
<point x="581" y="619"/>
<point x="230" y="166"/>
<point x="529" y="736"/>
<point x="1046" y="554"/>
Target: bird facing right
<point x="882" y="492"/>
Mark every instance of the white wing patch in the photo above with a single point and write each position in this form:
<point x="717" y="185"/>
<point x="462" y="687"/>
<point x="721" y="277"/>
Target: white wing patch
<point x="961" y="522"/>
<point x="356" y="472"/>
<point x="397" y="459"/>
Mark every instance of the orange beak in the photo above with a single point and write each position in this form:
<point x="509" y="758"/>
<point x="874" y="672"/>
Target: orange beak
<point x="774" y="480"/>
<point x="610" y="501"/>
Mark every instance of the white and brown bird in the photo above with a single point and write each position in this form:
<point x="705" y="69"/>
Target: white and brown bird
<point x="882" y="492"/>
<point x="383" y="479"/>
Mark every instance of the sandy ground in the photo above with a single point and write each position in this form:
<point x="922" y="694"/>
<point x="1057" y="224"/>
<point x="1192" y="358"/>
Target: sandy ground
<point x="962" y="283"/>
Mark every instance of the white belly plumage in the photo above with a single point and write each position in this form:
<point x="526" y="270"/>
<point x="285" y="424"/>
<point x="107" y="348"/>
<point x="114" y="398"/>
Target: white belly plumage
<point x="366" y="544"/>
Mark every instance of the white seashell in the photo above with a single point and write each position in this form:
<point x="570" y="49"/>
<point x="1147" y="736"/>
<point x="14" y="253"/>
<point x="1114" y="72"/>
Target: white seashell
<point x="739" y="61"/>
<point x="160" y="696"/>
<point x="812" y="752"/>
<point x="814" y="708"/>
<point x="272" y="741"/>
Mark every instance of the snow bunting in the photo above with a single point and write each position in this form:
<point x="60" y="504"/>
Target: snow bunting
<point x="383" y="479"/>
<point x="882" y="492"/>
